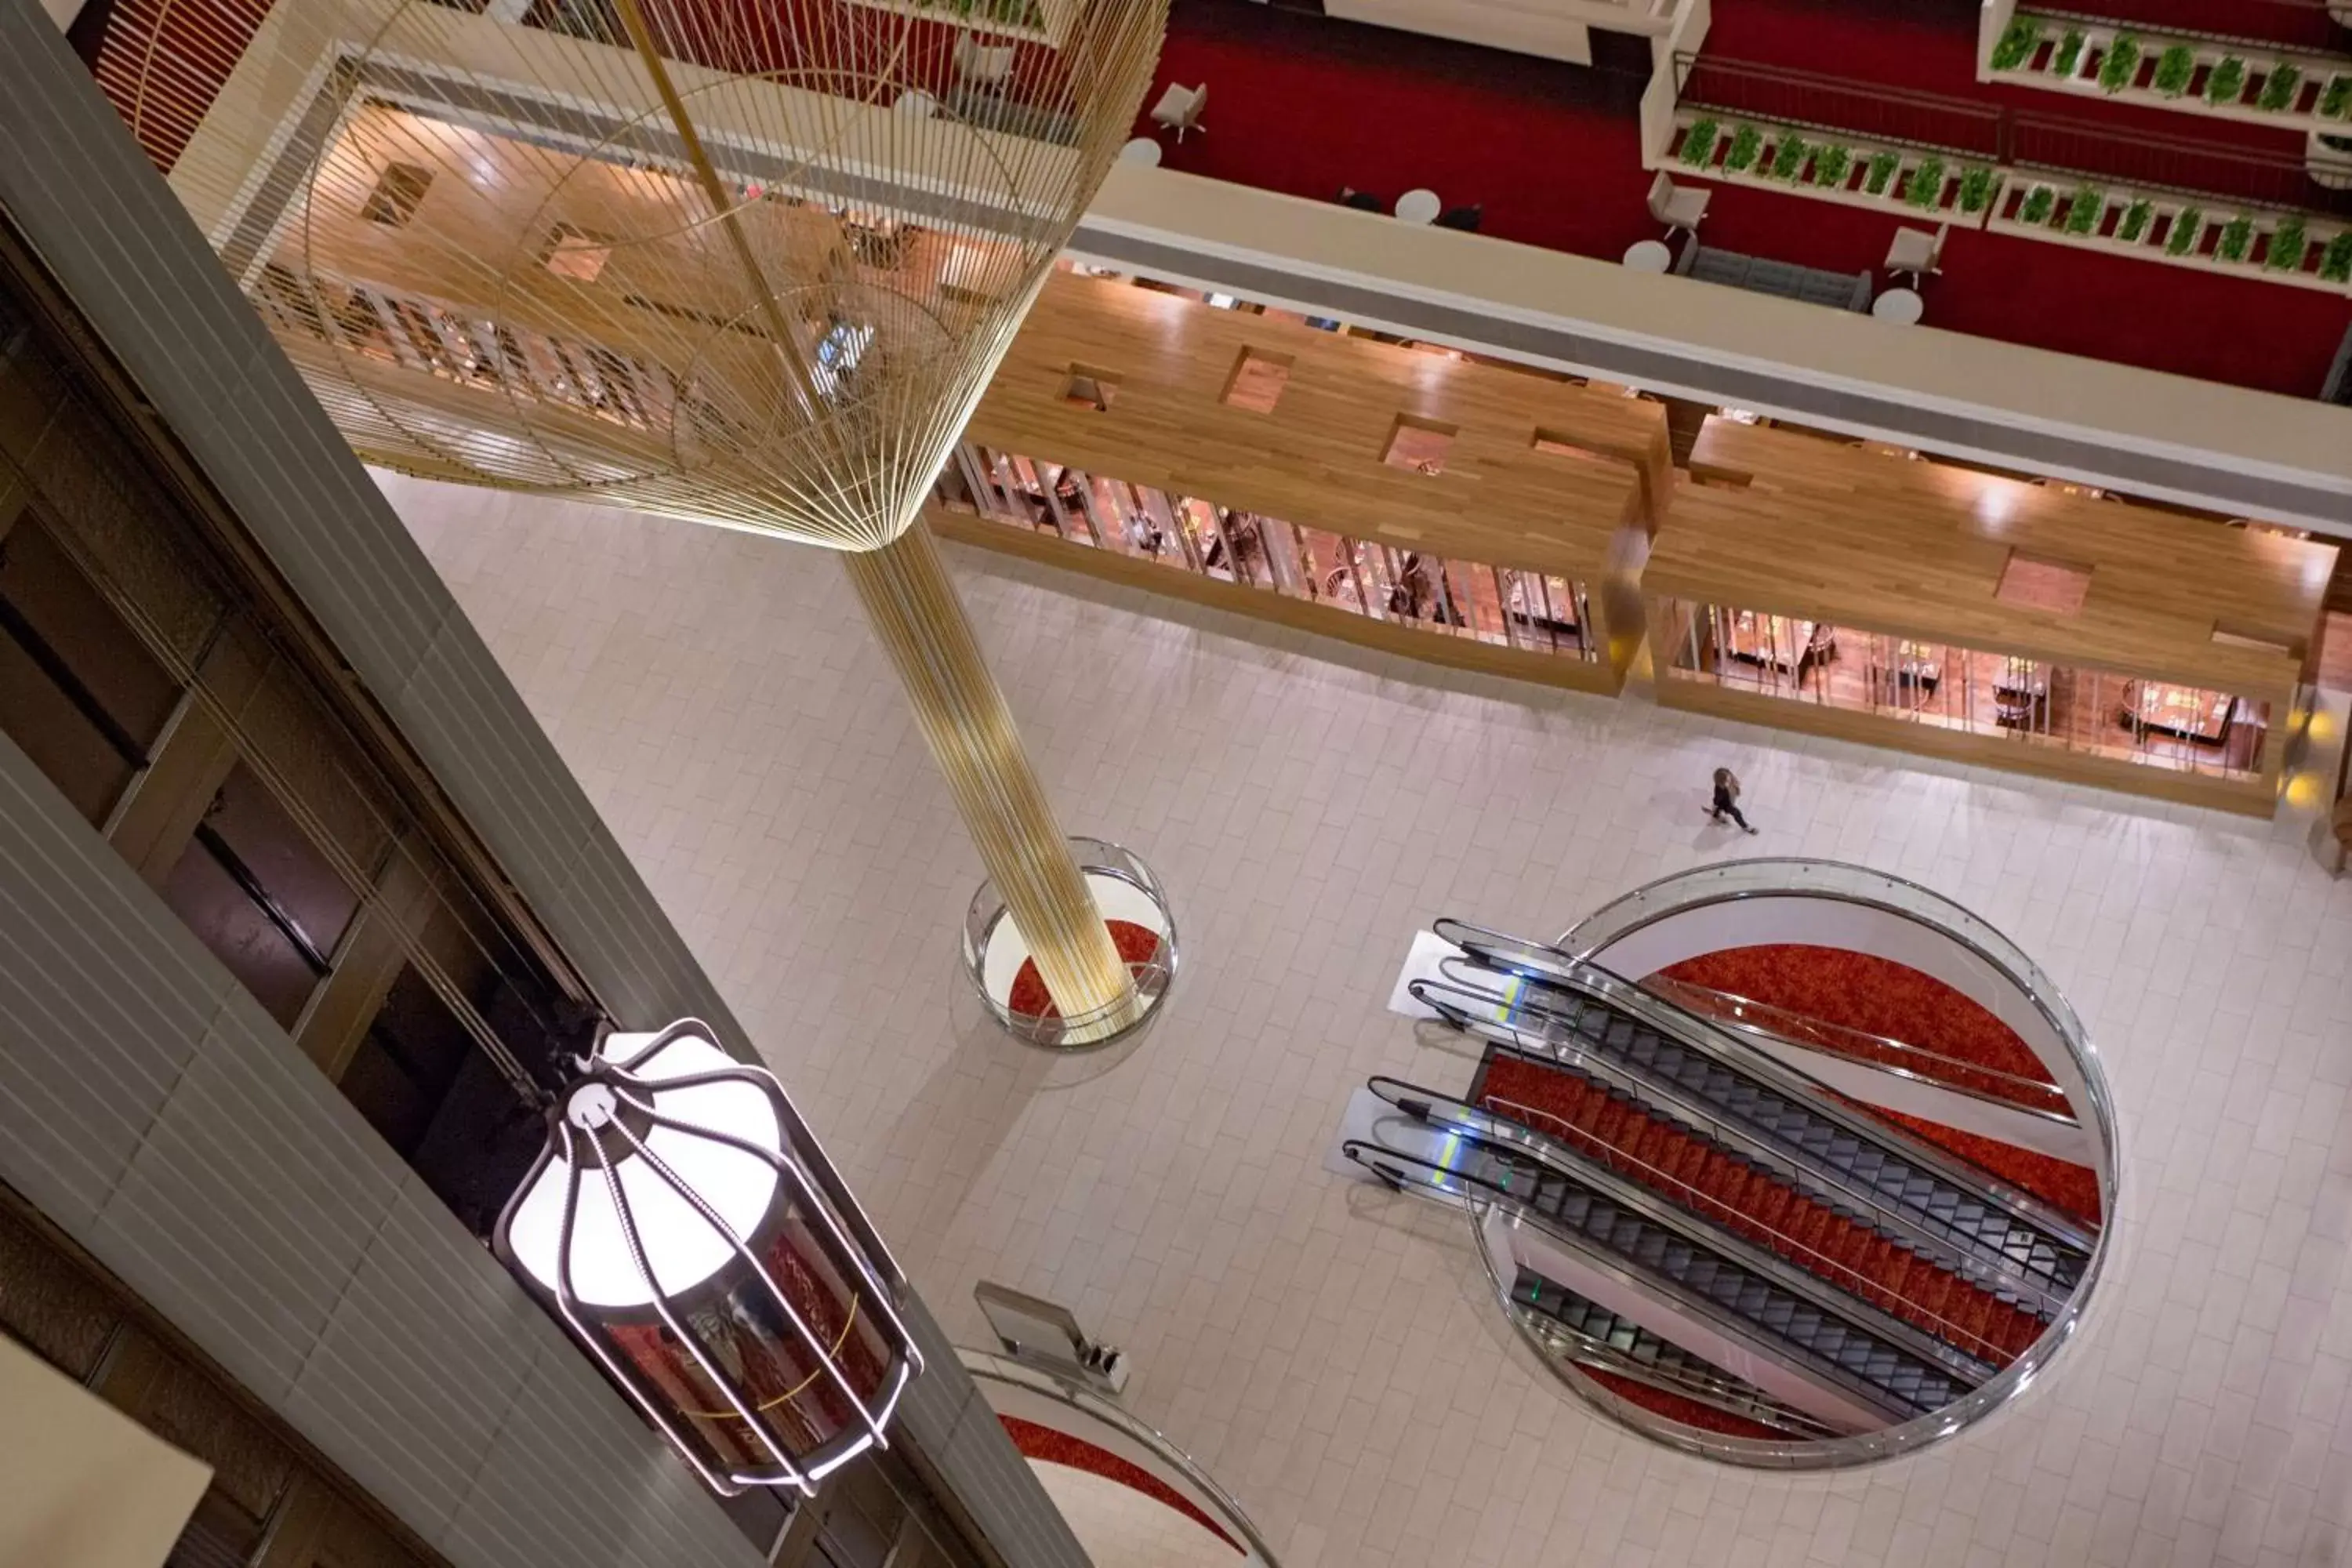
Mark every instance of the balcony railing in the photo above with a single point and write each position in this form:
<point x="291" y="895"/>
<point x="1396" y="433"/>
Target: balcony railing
<point x="2047" y="143"/>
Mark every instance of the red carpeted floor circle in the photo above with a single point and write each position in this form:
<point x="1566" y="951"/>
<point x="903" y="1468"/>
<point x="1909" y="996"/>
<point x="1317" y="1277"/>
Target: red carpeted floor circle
<point x="1056" y="1448"/>
<point x="1030" y="999"/>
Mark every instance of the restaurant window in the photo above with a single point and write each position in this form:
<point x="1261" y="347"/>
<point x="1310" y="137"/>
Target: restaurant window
<point x="257" y="893"/>
<point x="2156" y="723"/>
<point x="78" y="694"/>
<point x="1533" y="610"/>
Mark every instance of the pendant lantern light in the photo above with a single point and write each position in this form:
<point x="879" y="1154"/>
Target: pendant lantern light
<point x="685" y="1229"/>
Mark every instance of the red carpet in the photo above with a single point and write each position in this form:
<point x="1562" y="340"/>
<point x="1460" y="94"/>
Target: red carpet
<point x="1876" y="996"/>
<point x="1303" y="105"/>
<point x="1030" y="999"/>
<point x="1752" y="1204"/>
<point x="1036" y="1442"/>
<point x="2060" y="1182"/>
<point x="1674" y="1408"/>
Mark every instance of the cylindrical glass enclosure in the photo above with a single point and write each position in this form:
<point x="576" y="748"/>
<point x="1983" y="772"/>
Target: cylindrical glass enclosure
<point x="688" y="1231"/>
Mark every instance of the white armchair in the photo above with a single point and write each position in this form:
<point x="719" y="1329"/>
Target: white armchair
<point x="1916" y="252"/>
<point x="1179" y="108"/>
<point x="1679" y="208"/>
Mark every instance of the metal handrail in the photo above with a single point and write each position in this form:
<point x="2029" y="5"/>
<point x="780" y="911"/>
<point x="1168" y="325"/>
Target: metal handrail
<point x="1003" y="1369"/>
<point x="1581" y="973"/>
<point x="2001" y="134"/>
<point x="1693" y="1196"/>
<point x="1793" y="876"/>
<point x="1832" y="1037"/>
<point x="1809" y="1178"/>
<point x="1570" y="1163"/>
<point x="1477" y="1197"/>
<point x="1726" y="1393"/>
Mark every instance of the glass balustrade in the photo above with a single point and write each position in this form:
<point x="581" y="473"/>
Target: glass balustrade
<point x="1917" y="680"/>
<point x="1498" y="604"/>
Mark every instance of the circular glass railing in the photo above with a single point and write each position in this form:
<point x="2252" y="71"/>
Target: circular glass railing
<point x="997" y="961"/>
<point x="1609" y="1374"/>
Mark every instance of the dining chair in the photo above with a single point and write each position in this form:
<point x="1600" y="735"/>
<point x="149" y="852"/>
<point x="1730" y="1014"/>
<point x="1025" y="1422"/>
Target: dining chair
<point x="1918" y="253"/>
<point x="1679" y="208"/>
<point x="1179" y="108"/>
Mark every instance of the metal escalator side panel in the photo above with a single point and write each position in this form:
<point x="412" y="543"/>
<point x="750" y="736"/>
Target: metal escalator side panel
<point x="1550" y="1042"/>
<point x="1495" y="1139"/>
<point x="1589" y="985"/>
<point x="1585" y="1332"/>
<point x="1745" y="1343"/>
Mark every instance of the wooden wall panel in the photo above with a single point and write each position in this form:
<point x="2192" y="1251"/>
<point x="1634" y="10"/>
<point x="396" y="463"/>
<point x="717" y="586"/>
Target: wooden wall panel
<point x="1317" y="457"/>
<point x="1828" y="531"/>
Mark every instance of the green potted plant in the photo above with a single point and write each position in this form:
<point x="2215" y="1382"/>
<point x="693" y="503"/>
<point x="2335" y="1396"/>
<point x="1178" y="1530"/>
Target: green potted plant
<point x="1976" y="187"/>
<point x="2173" y="69"/>
<point x="2335" y="261"/>
<point x="1699" y="143"/>
<point x="2188" y="229"/>
<point x="2280" y="89"/>
<point x="1830" y="166"/>
<point x="2018" y="42"/>
<point x="2134" y="221"/>
<point x="2336" y="101"/>
<point x="1788" y="157"/>
<point x="2083" y="210"/>
<point x="2288" y="242"/>
<point x="1881" y="170"/>
<point x="2120" y="65"/>
<point x="2226" y="83"/>
<point x="1746" y="144"/>
<point x="1926" y="187"/>
<point x="2070" y="51"/>
<point x="2237" y="238"/>
<point x="2037" y="206"/>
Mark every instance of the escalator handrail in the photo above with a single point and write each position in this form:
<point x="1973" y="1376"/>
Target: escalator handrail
<point x="1583" y="977"/>
<point x="1512" y="1139"/>
<point x="1370" y="1154"/>
<point x="1802" y="1170"/>
<point x="1725" y="1393"/>
<point x="1830" y="1038"/>
<point x="1844" y="1274"/>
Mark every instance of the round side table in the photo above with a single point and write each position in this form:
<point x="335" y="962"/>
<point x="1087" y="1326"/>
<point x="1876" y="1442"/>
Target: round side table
<point x="1143" y="150"/>
<point x="1419" y="206"/>
<point x="1649" y="256"/>
<point x="1902" y="306"/>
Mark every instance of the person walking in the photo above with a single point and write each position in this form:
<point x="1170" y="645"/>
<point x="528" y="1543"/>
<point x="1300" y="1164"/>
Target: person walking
<point x="1727" y="798"/>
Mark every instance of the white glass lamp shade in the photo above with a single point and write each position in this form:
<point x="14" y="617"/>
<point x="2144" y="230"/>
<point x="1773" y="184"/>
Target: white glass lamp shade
<point x="688" y="1233"/>
<point x="683" y="1247"/>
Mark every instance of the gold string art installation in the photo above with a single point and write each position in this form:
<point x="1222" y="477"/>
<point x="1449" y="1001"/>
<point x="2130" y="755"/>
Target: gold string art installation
<point x="747" y="262"/>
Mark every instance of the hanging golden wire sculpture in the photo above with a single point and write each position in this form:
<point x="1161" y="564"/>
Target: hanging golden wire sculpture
<point x="746" y="261"/>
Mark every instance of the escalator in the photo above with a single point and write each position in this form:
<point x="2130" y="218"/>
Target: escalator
<point x="1796" y="1340"/>
<point x="1527" y="1001"/>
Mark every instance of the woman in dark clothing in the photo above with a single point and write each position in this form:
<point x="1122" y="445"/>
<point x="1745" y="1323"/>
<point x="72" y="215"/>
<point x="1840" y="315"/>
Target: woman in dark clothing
<point x="1727" y="798"/>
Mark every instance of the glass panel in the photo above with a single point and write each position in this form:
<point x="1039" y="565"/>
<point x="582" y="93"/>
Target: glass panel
<point x="2154" y="723"/>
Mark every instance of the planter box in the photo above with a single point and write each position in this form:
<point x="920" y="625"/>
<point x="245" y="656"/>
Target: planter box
<point x="2153" y="242"/>
<point x="1849" y="188"/>
<point x="2302" y="110"/>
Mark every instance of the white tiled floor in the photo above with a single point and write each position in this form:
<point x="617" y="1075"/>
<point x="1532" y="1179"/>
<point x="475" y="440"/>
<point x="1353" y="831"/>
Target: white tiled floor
<point x="1325" y="1350"/>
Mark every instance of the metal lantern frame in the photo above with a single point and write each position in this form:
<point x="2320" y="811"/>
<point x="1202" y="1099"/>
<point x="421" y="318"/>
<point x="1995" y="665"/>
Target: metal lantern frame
<point x="605" y="1119"/>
